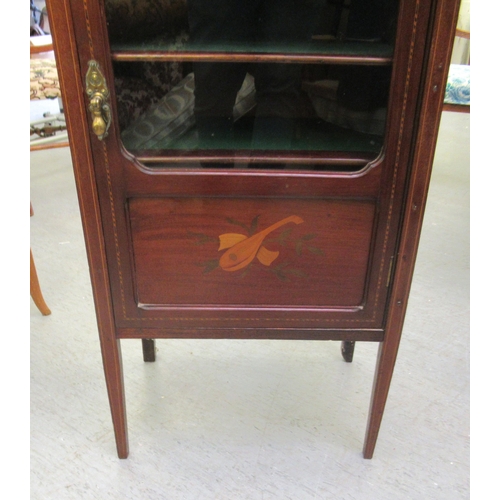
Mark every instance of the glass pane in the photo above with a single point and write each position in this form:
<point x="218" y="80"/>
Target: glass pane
<point x="243" y="81"/>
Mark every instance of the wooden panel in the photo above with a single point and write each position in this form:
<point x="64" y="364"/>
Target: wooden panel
<point x="251" y="252"/>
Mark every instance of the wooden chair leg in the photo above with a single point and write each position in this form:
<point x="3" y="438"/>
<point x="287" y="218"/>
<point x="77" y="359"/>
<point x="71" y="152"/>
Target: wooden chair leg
<point x="35" y="290"/>
<point x="347" y="350"/>
<point x="148" y="350"/>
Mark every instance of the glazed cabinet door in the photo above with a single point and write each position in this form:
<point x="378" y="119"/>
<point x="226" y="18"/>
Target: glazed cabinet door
<point x="251" y="160"/>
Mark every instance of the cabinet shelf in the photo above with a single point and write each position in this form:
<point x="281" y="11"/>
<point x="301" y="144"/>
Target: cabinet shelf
<point x="318" y="52"/>
<point x="340" y="161"/>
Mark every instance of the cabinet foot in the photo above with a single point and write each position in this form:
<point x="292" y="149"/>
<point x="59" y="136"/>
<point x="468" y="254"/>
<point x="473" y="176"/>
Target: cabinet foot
<point x="148" y="350"/>
<point x="347" y="350"/>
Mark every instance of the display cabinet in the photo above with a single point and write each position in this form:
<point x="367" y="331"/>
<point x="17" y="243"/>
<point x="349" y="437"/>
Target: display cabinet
<point x="252" y="169"/>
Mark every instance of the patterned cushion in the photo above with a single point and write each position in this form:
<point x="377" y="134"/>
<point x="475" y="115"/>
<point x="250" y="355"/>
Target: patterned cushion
<point x="44" y="82"/>
<point x="458" y="85"/>
<point x="173" y="116"/>
<point x="138" y="85"/>
<point x="165" y="121"/>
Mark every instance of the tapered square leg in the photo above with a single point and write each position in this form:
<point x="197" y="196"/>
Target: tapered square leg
<point x="383" y="374"/>
<point x="113" y="372"/>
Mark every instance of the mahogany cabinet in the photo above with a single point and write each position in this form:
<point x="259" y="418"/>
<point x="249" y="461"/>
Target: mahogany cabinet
<point x="252" y="169"/>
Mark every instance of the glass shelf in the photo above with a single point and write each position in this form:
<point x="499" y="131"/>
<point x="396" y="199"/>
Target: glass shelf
<point x="314" y="136"/>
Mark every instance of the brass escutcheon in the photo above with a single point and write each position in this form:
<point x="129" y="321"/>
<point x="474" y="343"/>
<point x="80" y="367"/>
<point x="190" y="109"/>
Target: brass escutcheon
<point x="98" y="93"/>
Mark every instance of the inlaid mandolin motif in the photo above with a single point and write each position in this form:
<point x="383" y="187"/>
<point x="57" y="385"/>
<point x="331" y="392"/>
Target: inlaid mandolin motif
<point x="241" y="250"/>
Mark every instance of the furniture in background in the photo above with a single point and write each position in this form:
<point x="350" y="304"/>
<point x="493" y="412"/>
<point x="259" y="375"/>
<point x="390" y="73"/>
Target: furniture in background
<point x="39" y="24"/>
<point x="48" y="131"/>
<point x="316" y="240"/>
<point x="35" y="290"/>
<point x="457" y="93"/>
